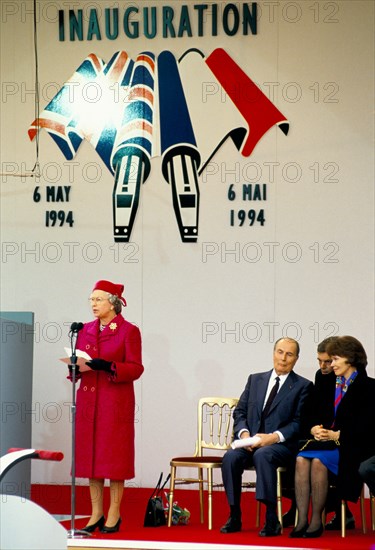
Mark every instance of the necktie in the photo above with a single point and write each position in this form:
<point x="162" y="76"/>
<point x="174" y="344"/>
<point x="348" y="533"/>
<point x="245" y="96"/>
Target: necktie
<point x="270" y="399"/>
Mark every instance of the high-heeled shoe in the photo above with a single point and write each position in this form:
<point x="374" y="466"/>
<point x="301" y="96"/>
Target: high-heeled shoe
<point x="314" y="534"/>
<point x="113" y="529"/>
<point x="298" y="533"/>
<point x="99" y="524"/>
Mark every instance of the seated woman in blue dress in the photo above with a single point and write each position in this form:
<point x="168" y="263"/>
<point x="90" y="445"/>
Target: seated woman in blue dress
<point x="347" y="419"/>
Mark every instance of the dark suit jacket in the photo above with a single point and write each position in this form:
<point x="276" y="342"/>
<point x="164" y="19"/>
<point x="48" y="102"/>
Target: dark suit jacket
<point x="286" y="410"/>
<point x="319" y="407"/>
<point x="324" y="397"/>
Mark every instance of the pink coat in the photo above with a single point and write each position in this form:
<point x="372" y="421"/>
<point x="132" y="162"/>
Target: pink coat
<point x="105" y="402"/>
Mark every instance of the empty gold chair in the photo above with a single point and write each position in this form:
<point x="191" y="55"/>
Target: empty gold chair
<point x="215" y="432"/>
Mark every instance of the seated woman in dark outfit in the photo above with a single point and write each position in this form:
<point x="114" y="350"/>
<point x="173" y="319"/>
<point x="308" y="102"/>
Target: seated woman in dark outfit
<point x="345" y="419"/>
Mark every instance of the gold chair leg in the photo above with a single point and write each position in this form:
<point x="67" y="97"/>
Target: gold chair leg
<point x="343" y="518"/>
<point x="170" y="495"/>
<point x="201" y="499"/>
<point x="279" y="502"/>
<point x="372" y="510"/>
<point x="363" y="511"/>
<point x="209" y="477"/>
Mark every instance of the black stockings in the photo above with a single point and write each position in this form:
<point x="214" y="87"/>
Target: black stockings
<point x="311" y="477"/>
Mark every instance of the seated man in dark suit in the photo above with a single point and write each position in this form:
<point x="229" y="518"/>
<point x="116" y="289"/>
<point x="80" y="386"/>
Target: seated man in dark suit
<point x="269" y="407"/>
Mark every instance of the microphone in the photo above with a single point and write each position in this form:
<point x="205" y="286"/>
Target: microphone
<point x="76" y="327"/>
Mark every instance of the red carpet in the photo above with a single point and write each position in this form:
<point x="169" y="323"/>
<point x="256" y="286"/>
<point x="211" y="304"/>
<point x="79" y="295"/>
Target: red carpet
<point x="56" y="500"/>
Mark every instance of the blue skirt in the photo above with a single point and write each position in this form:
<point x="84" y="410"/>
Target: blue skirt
<point x="330" y="459"/>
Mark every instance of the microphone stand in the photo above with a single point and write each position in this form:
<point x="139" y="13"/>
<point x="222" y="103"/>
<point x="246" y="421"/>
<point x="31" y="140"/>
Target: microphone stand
<point x="74" y="533"/>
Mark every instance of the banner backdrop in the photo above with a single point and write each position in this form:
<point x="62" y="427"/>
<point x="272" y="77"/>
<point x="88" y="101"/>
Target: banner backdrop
<point x="217" y="160"/>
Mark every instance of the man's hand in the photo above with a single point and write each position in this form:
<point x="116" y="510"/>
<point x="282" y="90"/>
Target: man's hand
<point x="243" y="435"/>
<point x="266" y="439"/>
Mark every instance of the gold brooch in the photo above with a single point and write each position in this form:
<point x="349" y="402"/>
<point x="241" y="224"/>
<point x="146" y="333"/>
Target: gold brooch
<point x="113" y="326"/>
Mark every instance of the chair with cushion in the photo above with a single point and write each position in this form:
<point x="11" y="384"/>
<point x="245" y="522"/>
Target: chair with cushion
<point x="215" y="433"/>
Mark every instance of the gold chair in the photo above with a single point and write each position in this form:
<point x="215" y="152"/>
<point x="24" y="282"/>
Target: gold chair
<point x="215" y="433"/>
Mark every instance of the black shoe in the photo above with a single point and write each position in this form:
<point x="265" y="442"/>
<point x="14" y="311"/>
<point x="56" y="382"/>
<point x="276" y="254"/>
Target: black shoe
<point x="113" y="529"/>
<point x="298" y="533"/>
<point x="271" y="529"/>
<point x="99" y="524"/>
<point x="314" y="534"/>
<point x="289" y="518"/>
<point x="335" y="523"/>
<point x="233" y="525"/>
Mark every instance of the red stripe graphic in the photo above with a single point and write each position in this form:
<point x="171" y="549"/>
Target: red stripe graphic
<point x="258" y="111"/>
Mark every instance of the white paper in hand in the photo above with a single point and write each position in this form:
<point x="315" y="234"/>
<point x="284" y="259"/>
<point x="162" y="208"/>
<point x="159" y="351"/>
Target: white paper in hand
<point x="245" y="442"/>
<point x="79" y="353"/>
<point x="82" y="357"/>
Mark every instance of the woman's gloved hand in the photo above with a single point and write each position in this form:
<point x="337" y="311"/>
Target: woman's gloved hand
<point x="99" y="364"/>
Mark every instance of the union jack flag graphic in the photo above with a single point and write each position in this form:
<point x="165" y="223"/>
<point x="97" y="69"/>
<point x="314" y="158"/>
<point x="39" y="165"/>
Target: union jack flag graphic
<point x="114" y="107"/>
<point x="133" y="147"/>
<point x="60" y="118"/>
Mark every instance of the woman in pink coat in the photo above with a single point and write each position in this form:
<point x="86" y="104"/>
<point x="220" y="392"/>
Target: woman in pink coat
<point x="105" y="414"/>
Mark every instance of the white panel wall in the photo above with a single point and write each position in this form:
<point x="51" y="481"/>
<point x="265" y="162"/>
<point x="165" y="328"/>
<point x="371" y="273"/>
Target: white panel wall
<point x="209" y="312"/>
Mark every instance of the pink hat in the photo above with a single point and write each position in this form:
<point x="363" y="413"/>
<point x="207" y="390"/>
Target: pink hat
<point x="112" y="288"/>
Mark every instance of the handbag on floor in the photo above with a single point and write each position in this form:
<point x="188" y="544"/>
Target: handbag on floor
<point x="155" y="514"/>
